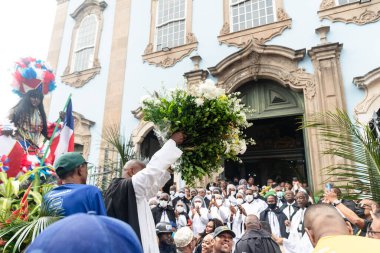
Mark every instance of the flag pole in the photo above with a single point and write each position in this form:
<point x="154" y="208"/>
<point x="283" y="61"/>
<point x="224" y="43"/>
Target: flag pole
<point x="55" y="130"/>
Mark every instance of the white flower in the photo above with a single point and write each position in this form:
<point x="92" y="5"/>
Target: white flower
<point x="145" y="98"/>
<point x="227" y="147"/>
<point x="208" y="90"/>
<point x="243" y="146"/>
<point x="199" y="101"/>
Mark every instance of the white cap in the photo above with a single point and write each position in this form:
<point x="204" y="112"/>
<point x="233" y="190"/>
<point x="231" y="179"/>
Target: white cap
<point x="183" y="237"/>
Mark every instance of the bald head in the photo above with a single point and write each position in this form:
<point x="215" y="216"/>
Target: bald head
<point x="324" y="220"/>
<point x="132" y="167"/>
<point x="252" y="222"/>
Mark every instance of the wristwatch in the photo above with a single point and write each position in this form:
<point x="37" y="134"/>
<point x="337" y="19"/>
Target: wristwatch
<point x="336" y="202"/>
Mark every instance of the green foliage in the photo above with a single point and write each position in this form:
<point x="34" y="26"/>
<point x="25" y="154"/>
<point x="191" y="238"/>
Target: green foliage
<point x="356" y="144"/>
<point x="16" y="230"/>
<point x="212" y="121"/>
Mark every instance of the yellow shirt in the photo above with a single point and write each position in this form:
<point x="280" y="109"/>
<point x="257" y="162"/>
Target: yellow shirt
<point x="346" y="244"/>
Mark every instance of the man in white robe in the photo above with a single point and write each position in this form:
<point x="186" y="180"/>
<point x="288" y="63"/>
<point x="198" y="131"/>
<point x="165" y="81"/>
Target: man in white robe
<point x="145" y="185"/>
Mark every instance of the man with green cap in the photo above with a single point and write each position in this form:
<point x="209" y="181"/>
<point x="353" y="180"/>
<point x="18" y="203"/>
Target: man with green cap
<point x="74" y="196"/>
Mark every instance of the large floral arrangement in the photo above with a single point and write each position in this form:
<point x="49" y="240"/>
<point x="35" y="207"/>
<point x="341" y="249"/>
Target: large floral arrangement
<point x="212" y="120"/>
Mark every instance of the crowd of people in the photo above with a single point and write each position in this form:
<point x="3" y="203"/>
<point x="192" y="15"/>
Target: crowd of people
<point x="236" y="216"/>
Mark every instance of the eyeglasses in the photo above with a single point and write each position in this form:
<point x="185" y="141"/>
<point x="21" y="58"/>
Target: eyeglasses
<point x="372" y="233"/>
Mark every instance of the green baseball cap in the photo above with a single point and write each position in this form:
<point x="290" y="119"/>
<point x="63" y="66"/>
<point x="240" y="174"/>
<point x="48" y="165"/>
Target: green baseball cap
<point x="68" y="162"/>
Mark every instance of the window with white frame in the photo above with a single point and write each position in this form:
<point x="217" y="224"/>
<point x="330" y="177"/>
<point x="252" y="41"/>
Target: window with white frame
<point x="170" y="25"/>
<point x="246" y="14"/>
<point x="85" y="44"/>
<point x="342" y="2"/>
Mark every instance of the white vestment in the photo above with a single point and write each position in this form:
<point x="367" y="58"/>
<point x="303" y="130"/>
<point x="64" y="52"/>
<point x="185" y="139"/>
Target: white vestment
<point x="255" y="207"/>
<point x="146" y="184"/>
<point x="294" y="242"/>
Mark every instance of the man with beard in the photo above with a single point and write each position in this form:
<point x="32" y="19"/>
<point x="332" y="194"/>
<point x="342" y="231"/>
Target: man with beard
<point x="223" y="240"/>
<point x="163" y="212"/>
<point x="165" y="241"/>
<point x="256" y="239"/>
<point x="274" y="217"/>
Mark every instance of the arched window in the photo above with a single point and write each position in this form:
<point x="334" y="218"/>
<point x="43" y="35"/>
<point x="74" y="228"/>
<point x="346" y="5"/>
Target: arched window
<point x="246" y="14"/>
<point x="85" y="44"/>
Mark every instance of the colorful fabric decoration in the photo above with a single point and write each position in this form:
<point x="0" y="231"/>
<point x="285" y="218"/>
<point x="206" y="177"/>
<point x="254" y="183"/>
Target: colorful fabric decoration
<point x="4" y="162"/>
<point x="32" y="74"/>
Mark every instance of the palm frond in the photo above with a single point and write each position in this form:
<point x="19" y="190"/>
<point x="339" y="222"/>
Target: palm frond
<point x="355" y="144"/>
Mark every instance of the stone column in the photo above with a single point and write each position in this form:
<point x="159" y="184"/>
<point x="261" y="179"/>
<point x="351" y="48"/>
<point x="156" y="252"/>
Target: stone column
<point x="117" y="68"/>
<point x="56" y="42"/>
<point x="195" y="76"/>
<point x="329" y="96"/>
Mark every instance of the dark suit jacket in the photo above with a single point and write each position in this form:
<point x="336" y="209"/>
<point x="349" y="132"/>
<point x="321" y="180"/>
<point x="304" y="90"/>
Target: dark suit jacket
<point x="157" y="213"/>
<point x="281" y="217"/>
<point x="256" y="241"/>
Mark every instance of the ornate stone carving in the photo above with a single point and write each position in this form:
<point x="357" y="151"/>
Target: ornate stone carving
<point x="326" y="4"/>
<point x="148" y="49"/>
<point x="190" y="38"/>
<point x="299" y="78"/>
<point x="281" y="14"/>
<point x="370" y="82"/>
<point x="195" y="77"/>
<point x="260" y="34"/>
<point x="225" y="29"/>
<point x="82" y="131"/>
<point x="356" y="13"/>
<point x="170" y="58"/>
<point x="366" y="17"/>
<point x="78" y="79"/>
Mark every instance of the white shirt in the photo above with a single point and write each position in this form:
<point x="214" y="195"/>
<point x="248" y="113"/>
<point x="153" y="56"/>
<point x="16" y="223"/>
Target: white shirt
<point x="221" y="214"/>
<point x="237" y="224"/>
<point x="199" y="222"/>
<point x="292" y="243"/>
<point x="255" y="207"/>
<point x="289" y="209"/>
<point x="146" y="184"/>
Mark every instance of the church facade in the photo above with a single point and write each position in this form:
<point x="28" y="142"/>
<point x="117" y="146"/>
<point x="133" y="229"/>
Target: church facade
<point x="289" y="59"/>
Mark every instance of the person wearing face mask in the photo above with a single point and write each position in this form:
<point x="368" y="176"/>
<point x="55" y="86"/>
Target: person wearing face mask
<point x="231" y="195"/>
<point x="254" y="205"/>
<point x="198" y="215"/>
<point x="172" y="194"/>
<point x="202" y="193"/>
<point x="181" y="196"/>
<point x="163" y="212"/>
<point x="237" y="216"/>
<point x="275" y="217"/>
<point x="181" y="216"/>
<point x="217" y="210"/>
<point x="153" y="202"/>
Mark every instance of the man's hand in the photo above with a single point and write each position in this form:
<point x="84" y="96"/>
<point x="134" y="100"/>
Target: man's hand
<point x="278" y="240"/>
<point x="178" y="137"/>
<point x="330" y="196"/>
<point x="232" y="209"/>
<point x="287" y="223"/>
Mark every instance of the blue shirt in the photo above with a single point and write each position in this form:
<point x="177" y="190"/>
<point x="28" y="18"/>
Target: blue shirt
<point x="75" y="198"/>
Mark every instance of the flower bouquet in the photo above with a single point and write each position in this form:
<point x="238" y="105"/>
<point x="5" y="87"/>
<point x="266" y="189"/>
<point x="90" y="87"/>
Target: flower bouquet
<point x="212" y="121"/>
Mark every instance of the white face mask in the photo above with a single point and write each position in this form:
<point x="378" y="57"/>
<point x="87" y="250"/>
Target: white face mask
<point x="163" y="203"/>
<point x="219" y="202"/>
<point x="249" y="198"/>
<point x="212" y="188"/>
<point x="172" y="193"/>
<point x="181" y="195"/>
<point x="241" y="191"/>
<point x="233" y="193"/>
<point x="255" y="195"/>
<point x="152" y="206"/>
<point x="179" y="209"/>
<point x="239" y="201"/>
<point x="198" y="204"/>
<point x="208" y="196"/>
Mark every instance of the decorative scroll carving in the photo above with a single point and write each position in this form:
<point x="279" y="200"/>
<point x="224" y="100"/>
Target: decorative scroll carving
<point x="148" y="49"/>
<point x="366" y="17"/>
<point x="225" y="29"/>
<point x="78" y="79"/>
<point x="356" y="13"/>
<point x="170" y="58"/>
<point x="299" y="78"/>
<point x="281" y="14"/>
<point x="326" y="4"/>
<point x="260" y="34"/>
<point x="370" y="82"/>
<point x="190" y="38"/>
